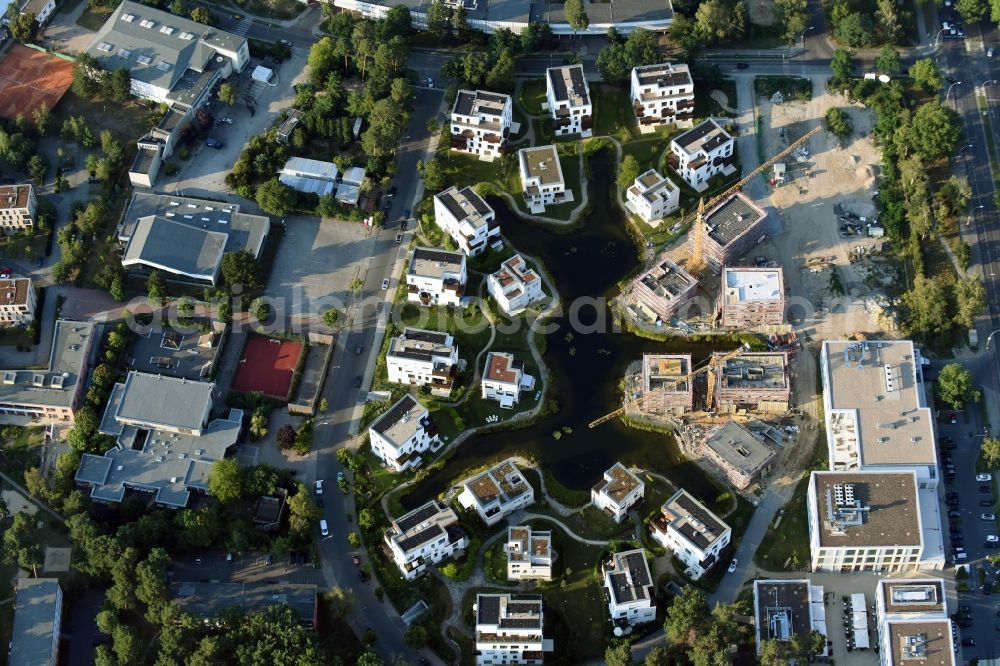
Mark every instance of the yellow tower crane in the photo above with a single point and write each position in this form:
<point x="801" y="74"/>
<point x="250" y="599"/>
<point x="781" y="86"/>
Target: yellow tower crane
<point x="636" y="402"/>
<point x="696" y="264"/>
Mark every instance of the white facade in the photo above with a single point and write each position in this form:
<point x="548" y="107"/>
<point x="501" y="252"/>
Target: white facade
<point x="629" y="589"/>
<point x="661" y="94"/>
<point x="509" y="629"/>
<point x="652" y="196"/>
<point x="504" y="378"/>
<point x="618" y="491"/>
<point x="17" y="208"/>
<point x="568" y="97"/>
<point x="692" y="532"/>
<point x="701" y="153"/>
<point x="42" y="9"/>
<point x="402" y="433"/>
<point x="17" y="302"/>
<point x="913" y="622"/>
<point x="480" y="123"/>
<point x="514" y="286"/>
<point x="542" y="178"/>
<point x="463" y="215"/>
<point x="496" y="493"/>
<point x="529" y="553"/>
<point x="423" y="358"/>
<point x="427" y="535"/>
<point x="436" y="277"/>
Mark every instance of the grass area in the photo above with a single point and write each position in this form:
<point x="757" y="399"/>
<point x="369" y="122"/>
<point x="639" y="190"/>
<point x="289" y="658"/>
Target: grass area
<point x="705" y="106"/>
<point x="523" y="120"/>
<point x="790" y="87"/>
<point x="495" y="564"/>
<point x="126" y="121"/>
<point x="93" y="18"/>
<point x="21" y="449"/>
<point x="532" y="96"/>
<point x="569" y="159"/>
<point x="279" y="9"/>
<point x="67" y="6"/>
<point x="787" y="539"/>
<point x="462" y="170"/>
<point x="591" y="523"/>
<point x="613" y="114"/>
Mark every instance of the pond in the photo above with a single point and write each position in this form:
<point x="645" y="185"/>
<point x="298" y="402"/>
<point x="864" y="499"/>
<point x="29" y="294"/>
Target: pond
<point x="586" y="358"/>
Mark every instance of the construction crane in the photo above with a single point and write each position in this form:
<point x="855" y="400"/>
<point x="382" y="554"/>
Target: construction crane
<point x="696" y="264"/>
<point x="636" y="402"/>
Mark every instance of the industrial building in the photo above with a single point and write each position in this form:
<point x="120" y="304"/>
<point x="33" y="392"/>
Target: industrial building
<point x="754" y="381"/>
<point x="569" y="102"/>
<point x="741" y="457"/>
<point x="661" y="94"/>
<point x="660" y="292"/>
<point x="786" y="608"/>
<point x="666" y="384"/>
<point x="751" y="298"/>
<point x="911" y="615"/>
<point x="732" y="227"/>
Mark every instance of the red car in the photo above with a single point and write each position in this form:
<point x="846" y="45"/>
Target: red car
<point x="953" y="418"/>
<point x="356" y="560"/>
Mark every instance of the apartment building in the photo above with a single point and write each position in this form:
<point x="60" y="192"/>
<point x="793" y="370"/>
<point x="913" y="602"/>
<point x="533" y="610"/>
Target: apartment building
<point x="427" y="535"/>
<point x="755" y="381"/>
<point x="629" y="589"/>
<point x="704" y="151"/>
<point x="37" y="626"/>
<point x="481" y="123"/>
<point x="504" y="378"/>
<point x="738" y="454"/>
<point x="402" y="433"/>
<point x="652" y="197"/>
<point x="617" y="492"/>
<point x="436" y="277"/>
<point x="666" y="383"/>
<point x="787" y="608"/>
<point x="878" y="418"/>
<point x="569" y="103"/>
<point x="463" y="215"/>
<point x="751" y="298"/>
<point x="18" y="207"/>
<point x="913" y="623"/>
<point x="542" y="178"/>
<point x="733" y="227"/>
<point x="661" y="94"/>
<point x="692" y="532"/>
<point x="659" y="293"/>
<point x="514" y="286"/>
<point x="529" y="553"/>
<point x="864" y="521"/>
<point x="496" y="493"/>
<point x="509" y="629"/>
<point x="419" y="357"/>
<point x="17" y="302"/>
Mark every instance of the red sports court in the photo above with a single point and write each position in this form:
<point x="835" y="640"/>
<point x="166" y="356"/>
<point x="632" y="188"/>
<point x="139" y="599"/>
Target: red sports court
<point x="267" y="366"/>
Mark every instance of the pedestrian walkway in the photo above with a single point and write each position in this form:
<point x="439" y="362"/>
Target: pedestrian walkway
<point x="243" y="27"/>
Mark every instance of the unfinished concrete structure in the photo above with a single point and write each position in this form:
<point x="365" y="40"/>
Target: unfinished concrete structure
<point x="732" y="227"/>
<point x="662" y="290"/>
<point x="751" y="297"/>
<point x="737" y="453"/>
<point x="755" y="381"/>
<point x="666" y="384"/>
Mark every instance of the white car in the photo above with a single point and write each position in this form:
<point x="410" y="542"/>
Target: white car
<point x="319" y="486"/>
<point x="324" y="529"/>
<point x="984" y="477"/>
<point x="385" y="283"/>
<point x="992" y="538"/>
<point x="732" y="565"/>
<point x="989" y="515"/>
<point x="989" y="52"/>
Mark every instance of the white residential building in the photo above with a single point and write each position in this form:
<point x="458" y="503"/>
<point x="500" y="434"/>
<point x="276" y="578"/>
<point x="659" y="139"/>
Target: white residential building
<point x="913" y="623"/>
<point x="661" y="94"/>
<point x="542" y="178"/>
<point x="569" y="103"/>
<point x="402" y="433"/>
<point x="496" y="493"/>
<point x="463" y="215"/>
<point x="426" y="535"/>
<point x="481" y="123"/>
<point x="504" y="379"/>
<point x="617" y="492"/>
<point x="514" y="286"/>
<point x="17" y="302"/>
<point x="529" y="553"/>
<point x="652" y="197"/>
<point x="423" y="358"/>
<point x="786" y="608"/>
<point x="17" y="208"/>
<point x="509" y="629"/>
<point x="436" y="277"/>
<point x="629" y="590"/>
<point x="702" y="152"/>
<point x="694" y="534"/>
<point x="864" y="521"/>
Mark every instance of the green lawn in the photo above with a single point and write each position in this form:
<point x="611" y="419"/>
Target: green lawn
<point x="789" y="541"/>
<point x="523" y="120"/>
<point x="125" y="121"/>
<point x="21" y="448"/>
<point x="591" y="523"/>
<point x="613" y="114"/>
<point x="791" y="87"/>
<point x="705" y="106"/>
<point x="462" y="170"/>
<point x="532" y="96"/>
<point x="569" y="160"/>
<point x="93" y="18"/>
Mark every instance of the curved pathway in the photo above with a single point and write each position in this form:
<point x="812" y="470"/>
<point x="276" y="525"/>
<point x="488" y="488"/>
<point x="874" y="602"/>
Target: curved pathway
<point x="479" y="357"/>
<point x="566" y="528"/>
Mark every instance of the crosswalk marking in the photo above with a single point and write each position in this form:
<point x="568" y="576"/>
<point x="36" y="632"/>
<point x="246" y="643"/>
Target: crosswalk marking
<point x="243" y="27"/>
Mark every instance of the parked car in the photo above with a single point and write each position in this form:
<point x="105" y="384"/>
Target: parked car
<point x="987" y="503"/>
<point x="214" y="143"/>
<point x="324" y="529"/>
<point x="358" y="349"/>
<point x="992" y="538"/>
<point x="269" y="559"/>
<point x="742" y="65"/>
<point x="319" y="486"/>
<point x="357" y="381"/>
<point x="953" y="418"/>
<point x="732" y="565"/>
<point x="385" y="283"/>
<point x="340" y="477"/>
<point x="356" y="560"/>
<point x="285" y="42"/>
<point x="987" y="515"/>
<point x="399" y="238"/>
<point x="985" y="489"/>
<point x="984" y="476"/>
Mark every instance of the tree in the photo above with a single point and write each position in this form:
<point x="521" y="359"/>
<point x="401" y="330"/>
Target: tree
<point x="842" y="65"/>
<point x="887" y="21"/>
<point x="720" y="20"/>
<point x="151" y="578"/>
<point x="794" y="17"/>
<point x="618" y="653"/>
<point x="260" y="309"/>
<point x="330" y="317"/>
<point x="276" y="198"/>
<point x="156" y="288"/>
<point x="925" y="74"/>
<point x="202" y="15"/>
<point x="258" y="423"/>
<point x="439" y="20"/>
<point x="887" y="61"/>
<point x="971" y="11"/>
<point x="854" y="30"/>
<point x="178" y="8"/>
<point x="934" y="131"/>
<point x="991" y="452"/>
<point x="612" y="65"/>
<point x="928" y="306"/>
<point x="397" y="23"/>
<point x="285" y="436"/>
<point x="42" y="117"/>
<point x="657" y="657"/>
<point x="23" y="26"/>
<point x="684" y="33"/>
<point x="370" y="659"/>
<point x="416" y="636"/>
<point x="38" y="166"/>
<point x="773" y="653"/>
<point x="119" y="85"/>
<point x="240" y="268"/>
<point x="642" y="48"/>
<point x="576" y="15"/>
<point x="501" y="75"/>
<point x="628" y="171"/>
<point x="302" y="512"/>
<point x="686" y="614"/>
<point x="460" y="23"/>
<point x="354" y="539"/>
<point x="227" y="93"/>
<point x="970" y="301"/>
<point x="225" y="481"/>
<point x="366" y="519"/>
<point x="838" y="123"/>
<point x="434" y="175"/>
<point x="956" y="386"/>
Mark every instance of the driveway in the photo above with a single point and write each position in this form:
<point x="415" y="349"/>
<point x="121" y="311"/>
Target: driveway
<point x="248" y="567"/>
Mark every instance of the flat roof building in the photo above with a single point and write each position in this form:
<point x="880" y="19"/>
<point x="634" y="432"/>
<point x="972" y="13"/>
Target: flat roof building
<point x="542" y="178"/>
<point x="751" y="297"/>
<point x="662" y="290"/>
<point x="662" y="93"/>
<point x="629" y="590"/>
<point x="618" y="491"/>
<point x="738" y="454"/>
<point x="18" y="207"/>
<point x="666" y="384"/>
<point x="786" y="608"/>
<point x="436" y="277"/>
<point x="504" y="378"/>
<point x="17" y="302"/>
<point x="529" y="553"/>
<point x="509" y="629"/>
<point x="514" y="286"/>
<point x="481" y="123"/>
<point x="38" y="607"/>
<point x="693" y="533"/>
<point x="402" y="433"/>
<point x="704" y="151"/>
<point x="568" y="98"/>
<point x="913" y="622"/>
<point x="467" y="218"/>
<point x="209" y="599"/>
<point x="652" y="197"/>
<point x="497" y="492"/>
<point x="426" y="535"/>
<point x="758" y="381"/>
<point x="419" y="357"/>
<point x="733" y="226"/>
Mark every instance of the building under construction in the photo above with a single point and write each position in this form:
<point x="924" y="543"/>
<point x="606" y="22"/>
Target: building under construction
<point x="659" y="292"/>
<point x="752" y="381"/>
<point x="732" y="227"/>
<point x="666" y="384"/>
<point x="751" y="298"/>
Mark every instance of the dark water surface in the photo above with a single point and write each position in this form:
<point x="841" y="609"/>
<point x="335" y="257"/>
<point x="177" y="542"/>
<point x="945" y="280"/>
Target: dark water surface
<point x="586" y="264"/>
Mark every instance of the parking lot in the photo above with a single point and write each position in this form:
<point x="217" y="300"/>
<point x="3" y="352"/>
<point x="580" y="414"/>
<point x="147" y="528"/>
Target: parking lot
<point x="250" y="567"/>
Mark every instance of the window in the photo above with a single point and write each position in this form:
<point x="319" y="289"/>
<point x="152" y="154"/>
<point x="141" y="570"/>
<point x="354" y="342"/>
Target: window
<point x="128" y="18"/>
<point x="104" y="46"/>
<point x="146" y="23"/>
<point x="166" y="30"/>
<point x="163" y="66"/>
<point x="124" y="53"/>
<point x="144" y="60"/>
<point x="186" y="36"/>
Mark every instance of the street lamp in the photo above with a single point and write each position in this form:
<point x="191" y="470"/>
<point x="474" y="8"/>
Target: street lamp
<point x="937" y="37"/>
<point x="989" y="338"/>
<point x="947" y="94"/>
<point x="973" y="212"/>
<point x="802" y="36"/>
